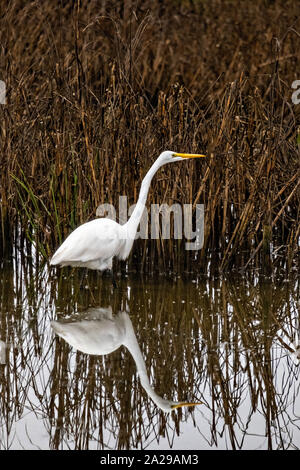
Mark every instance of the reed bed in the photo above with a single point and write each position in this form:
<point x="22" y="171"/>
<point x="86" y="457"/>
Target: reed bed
<point x="96" y="90"/>
<point x="226" y="342"/>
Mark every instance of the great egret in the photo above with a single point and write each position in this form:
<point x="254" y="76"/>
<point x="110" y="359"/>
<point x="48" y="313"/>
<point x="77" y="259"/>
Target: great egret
<point x="94" y="244"/>
<point x="98" y="332"/>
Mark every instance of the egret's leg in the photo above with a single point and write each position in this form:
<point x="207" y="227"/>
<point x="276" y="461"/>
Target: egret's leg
<point x="82" y="276"/>
<point x="115" y="285"/>
<point x="111" y="275"/>
<point x="110" y="270"/>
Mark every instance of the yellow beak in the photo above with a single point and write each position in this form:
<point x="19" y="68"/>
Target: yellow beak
<point x="189" y="155"/>
<point x="180" y="405"/>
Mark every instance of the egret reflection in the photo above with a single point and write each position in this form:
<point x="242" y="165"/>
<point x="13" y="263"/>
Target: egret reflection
<point x="99" y="332"/>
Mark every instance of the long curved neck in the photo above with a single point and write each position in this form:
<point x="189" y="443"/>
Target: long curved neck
<point x="133" y="222"/>
<point x="133" y="347"/>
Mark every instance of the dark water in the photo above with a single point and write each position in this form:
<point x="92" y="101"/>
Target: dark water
<point x="229" y="343"/>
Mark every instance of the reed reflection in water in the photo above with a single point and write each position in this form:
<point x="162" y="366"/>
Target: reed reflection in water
<point x="231" y="344"/>
<point x="97" y="332"/>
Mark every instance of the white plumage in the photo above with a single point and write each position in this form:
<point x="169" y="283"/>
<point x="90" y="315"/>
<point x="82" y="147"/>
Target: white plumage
<point x="97" y="331"/>
<point x="94" y="244"/>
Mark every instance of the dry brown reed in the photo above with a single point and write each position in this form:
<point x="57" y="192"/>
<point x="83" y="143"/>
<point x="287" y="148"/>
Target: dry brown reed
<point x="224" y="342"/>
<point x="95" y="90"/>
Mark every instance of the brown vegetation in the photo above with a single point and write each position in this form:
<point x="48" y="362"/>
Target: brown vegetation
<point x="226" y="343"/>
<point x="96" y="90"/>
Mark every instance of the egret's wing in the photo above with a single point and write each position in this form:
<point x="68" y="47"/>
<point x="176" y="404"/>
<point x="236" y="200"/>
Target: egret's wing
<point x="98" y="239"/>
<point x="91" y="336"/>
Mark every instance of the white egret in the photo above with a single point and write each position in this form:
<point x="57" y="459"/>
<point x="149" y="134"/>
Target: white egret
<point x="98" y="332"/>
<point x="94" y="244"/>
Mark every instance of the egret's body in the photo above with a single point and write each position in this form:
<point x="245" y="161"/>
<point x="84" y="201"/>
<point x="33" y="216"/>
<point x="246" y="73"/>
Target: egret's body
<point x="98" y="332"/>
<point x="94" y="244"/>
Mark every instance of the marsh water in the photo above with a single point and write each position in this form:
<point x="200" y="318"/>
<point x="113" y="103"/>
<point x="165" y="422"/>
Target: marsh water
<point x="84" y="365"/>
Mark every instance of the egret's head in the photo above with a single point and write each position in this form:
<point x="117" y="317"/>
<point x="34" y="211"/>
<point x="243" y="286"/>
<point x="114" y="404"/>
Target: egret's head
<point x="185" y="404"/>
<point x="168" y="406"/>
<point x="169" y="156"/>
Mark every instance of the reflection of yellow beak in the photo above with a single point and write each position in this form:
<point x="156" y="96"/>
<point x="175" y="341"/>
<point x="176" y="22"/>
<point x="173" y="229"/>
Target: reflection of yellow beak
<point x="180" y="405"/>
<point x="189" y="155"/>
